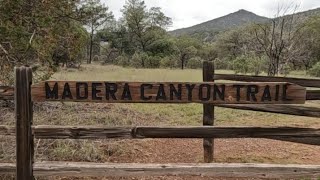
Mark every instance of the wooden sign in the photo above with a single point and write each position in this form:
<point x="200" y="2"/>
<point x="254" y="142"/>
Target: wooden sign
<point x="169" y="92"/>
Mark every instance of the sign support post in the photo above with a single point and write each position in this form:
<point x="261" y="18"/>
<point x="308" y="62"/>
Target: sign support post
<point x="24" y="115"/>
<point x="208" y="113"/>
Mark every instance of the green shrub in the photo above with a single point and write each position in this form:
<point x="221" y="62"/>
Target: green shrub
<point x="96" y="58"/>
<point x="152" y="62"/>
<point x="136" y="60"/>
<point x="256" y="64"/>
<point x="168" y="62"/>
<point x="315" y="70"/>
<point x="240" y="65"/>
<point x="194" y="63"/>
<point x="122" y="61"/>
<point x="286" y="69"/>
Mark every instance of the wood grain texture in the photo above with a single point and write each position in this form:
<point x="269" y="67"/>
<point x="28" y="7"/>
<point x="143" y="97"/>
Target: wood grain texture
<point x="166" y="92"/>
<point x="299" y="81"/>
<point x="232" y="170"/>
<point x="291" y="134"/>
<point x="208" y="114"/>
<point x="279" y="109"/>
<point x="6" y="93"/>
<point x="23" y="111"/>
<point x="313" y="95"/>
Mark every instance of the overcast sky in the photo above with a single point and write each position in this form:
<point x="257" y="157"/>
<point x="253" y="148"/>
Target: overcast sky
<point x="185" y="13"/>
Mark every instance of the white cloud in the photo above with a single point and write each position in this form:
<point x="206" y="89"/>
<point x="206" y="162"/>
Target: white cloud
<point x="185" y="13"/>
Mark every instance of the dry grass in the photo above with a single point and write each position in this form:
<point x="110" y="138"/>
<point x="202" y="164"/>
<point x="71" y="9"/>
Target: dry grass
<point x="154" y="151"/>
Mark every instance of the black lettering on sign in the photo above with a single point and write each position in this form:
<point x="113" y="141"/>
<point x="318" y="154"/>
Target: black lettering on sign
<point x="252" y="90"/>
<point x="220" y="93"/>
<point x="66" y="92"/>
<point x="111" y="89"/>
<point x="126" y="95"/>
<point x="266" y="96"/>
<point x="190" y="87"/>
<point x="142" y="92"/>
<point x="85" y="90"/>
<point x="175" y="92"/>
<point x="238" y="87"/>
<point x="95" y="91"/>
<point x="277" y="93"/>
<point x="207" y="88"/>
<point x="284" y="93"/>
<point x="161" y="95"/>
<point x="52" y="94"/>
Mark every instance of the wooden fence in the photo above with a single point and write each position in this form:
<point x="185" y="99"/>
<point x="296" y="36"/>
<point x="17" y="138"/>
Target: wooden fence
<point x="25" y="167"/>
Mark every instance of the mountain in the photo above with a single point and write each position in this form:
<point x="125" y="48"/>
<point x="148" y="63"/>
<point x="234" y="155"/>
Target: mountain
<point x="232" y="20"/>
<point x="208" y="31"/>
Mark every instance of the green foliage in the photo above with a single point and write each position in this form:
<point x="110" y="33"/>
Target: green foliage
<point x="95" y="15"/>
<point x="195" y="63"/>
<point x="144" y="26"/>
<point x="240" y="65"/>
<point x="168" y="62"/>
<point x="315" y="70"/>
<point x="249" y="64"/>
<point x="136" y="60"/>
<point x="153" y="62"/>
<point x="34" y="34"/>
<point x="122" y="61"/>
<point x="96" y="58"/>
<point x="256" y="64"/>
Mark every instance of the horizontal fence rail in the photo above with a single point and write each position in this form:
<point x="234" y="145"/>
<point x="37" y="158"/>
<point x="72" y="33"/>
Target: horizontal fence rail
<point x="279" y="109"/>
<point x="232" y="170"/>
<point x="299" y="81"/>
<point x="309" y="136"/>
<point x="6" y="93"/>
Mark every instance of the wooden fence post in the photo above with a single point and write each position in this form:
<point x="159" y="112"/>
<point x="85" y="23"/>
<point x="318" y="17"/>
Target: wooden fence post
<point x="24" y="115"/>
<point x="208" y="113"/>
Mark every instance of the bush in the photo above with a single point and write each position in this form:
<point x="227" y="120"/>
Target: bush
<point x="256" y="64"/>
<point x="240" y="65"/>
<point x="136" y="60"/>
<point x="122" y="61"/>
<point x="168" y="62"/>
<point x="152" y="62"/>
<point x="315" y="70"/>
<point x="194" y="63"/>
<point x="96" y="58"/>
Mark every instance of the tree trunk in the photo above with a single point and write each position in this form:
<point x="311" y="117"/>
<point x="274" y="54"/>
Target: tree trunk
<point x="183" y="61"/>
<point x="91" y="47"/>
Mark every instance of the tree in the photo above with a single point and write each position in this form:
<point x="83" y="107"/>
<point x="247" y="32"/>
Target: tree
<point x="187" y="48"/>
<point x="96" y="15"/>
<point x="307" y="44"/>
<point x="277" y="38"/>
<point x="32" y="31"/>
<point x="145" y="27"/>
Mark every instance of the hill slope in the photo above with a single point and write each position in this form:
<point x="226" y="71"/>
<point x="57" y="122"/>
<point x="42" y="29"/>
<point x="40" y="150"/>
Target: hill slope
<point x="207" y="31"/>
<point x="232" y="20"/>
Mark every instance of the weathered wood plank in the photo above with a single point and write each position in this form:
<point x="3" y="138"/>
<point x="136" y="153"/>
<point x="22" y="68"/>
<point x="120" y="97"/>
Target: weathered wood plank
<point x="23" y="111"/>
<point x="6" y="93"/>
<point x="279" y="109"/>
<point x="208" y="114"/>
<point x="299" y="135"/>
<point x="63" y="132"/>
<point x="313" y="95"/>
<point x="230" y="170"/>
<point x="170" y="92"/>
<point x="299" y="81"/>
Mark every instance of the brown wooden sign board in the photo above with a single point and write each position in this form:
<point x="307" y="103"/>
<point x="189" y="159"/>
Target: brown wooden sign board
<point x="169" y="92"/>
